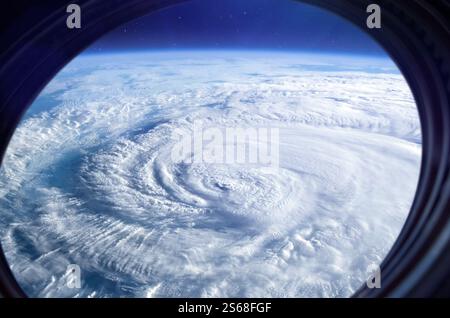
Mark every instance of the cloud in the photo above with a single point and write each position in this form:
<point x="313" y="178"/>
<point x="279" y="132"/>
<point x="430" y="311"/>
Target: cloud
<point x="90" y="180"/>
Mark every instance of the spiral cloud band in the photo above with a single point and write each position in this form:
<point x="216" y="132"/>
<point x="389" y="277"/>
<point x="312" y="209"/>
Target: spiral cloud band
<point x="106" y="172"/>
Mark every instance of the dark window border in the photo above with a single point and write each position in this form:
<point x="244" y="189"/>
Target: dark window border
<point x="416" y="33"/>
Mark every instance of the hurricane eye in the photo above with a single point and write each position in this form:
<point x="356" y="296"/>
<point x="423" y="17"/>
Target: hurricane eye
<point x="213" y="149"/>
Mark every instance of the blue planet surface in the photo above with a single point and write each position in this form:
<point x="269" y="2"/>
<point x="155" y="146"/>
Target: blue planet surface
<point x="104" y="173"/>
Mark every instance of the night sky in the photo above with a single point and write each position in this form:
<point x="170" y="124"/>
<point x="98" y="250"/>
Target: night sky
<point x="240" y="24"/>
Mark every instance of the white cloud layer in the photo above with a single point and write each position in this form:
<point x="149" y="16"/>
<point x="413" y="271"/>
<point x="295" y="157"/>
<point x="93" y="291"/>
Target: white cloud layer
<point x="88" y="178"/>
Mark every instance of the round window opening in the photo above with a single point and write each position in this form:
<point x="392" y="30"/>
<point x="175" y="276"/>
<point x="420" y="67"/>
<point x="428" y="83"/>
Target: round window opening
<point x="227" y="149"/>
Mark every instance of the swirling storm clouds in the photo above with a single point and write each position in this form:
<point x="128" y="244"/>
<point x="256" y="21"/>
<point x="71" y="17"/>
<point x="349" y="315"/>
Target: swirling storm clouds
<point x="88" y="178"/>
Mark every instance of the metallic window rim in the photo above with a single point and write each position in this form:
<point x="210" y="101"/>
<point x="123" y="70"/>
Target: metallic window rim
<point x="416" y="33"/>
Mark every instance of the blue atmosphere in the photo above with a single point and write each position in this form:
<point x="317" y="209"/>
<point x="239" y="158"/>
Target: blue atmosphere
<point x="237" y="24"/>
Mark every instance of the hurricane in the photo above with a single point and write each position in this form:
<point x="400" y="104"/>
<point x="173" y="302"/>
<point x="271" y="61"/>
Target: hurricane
<point x="97" y="175"/>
